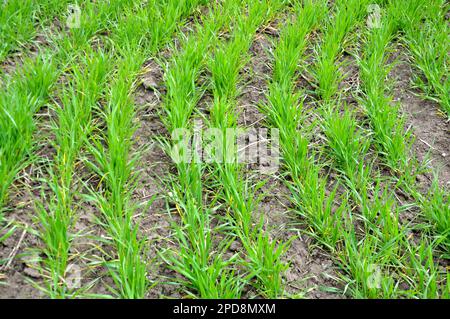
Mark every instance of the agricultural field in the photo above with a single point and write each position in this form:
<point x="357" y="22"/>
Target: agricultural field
<point x="224" y="149"/>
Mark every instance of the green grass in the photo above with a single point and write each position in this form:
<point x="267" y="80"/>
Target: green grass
<point x="115" y="165"/>
<point x="262" y="254"/>
<point x="21" y="98"/>
<point x="73" y="127"/>
<point x="435" y="208"/>
<point x="284" y="111"/>
<point x="346" y="150"/>
<point x="30" y="86"/>
<point x="426" y="33"/>
<point x="115" y="160"/>
<point x="360" y="227"/>
<point x="381" y="242"/>
<point x="206" y="273"/>
<point x="326" y="70"/>
<point x="16" y="24"/>
<point x="69" y="155"/>
<point x="387" y="124"/>
<point x="22" y="20"/>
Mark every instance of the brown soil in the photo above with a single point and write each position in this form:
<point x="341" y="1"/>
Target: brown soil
<point x="430" y="128"/>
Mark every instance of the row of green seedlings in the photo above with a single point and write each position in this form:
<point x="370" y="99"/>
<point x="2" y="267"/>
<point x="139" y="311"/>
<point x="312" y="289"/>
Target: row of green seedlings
<point x="20" y="20"/>
<point x="205" y="272"/>
<point x="24" y="93"/>
<point x="367" y="220"/>
<point x="393" y="145"/>
<point x="426" y="34"/>
<point x="73" y="126"/>
<point x="368" y="224"/>
<point x="337" y="220"/>
<point x="142" y="32"/>
<point x="22" y="96"/>
<point x="284" y="111"/>
<point x="262" y="256"/>
<point x="429" y="48"/>
<point x="327" y="219"/>
<point x="376" y="255"/>
<point x="30" y="88"/>
<point x="71" y="129"/>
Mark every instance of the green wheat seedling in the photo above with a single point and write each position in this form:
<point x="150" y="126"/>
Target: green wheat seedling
<point x="205" y="274"/>
<point x="368" y="272"/>
<point x="378" y="212"/>
<point x="426" y="32"/>
<point x="263" y="255"/>
<point x="265" y="258"/>
<point x="95" y="17"/>
<point x="284" y="111"/>
<point x="20" y="21"/>
<point x="30" y="87"/>
<point x="208" y="274"/>
<point x="323" y="211"/>
<point x="183" y="71"/>
<point x="435" y="206"/>
<point x="388" y="126"/>
<point x="16" y="24"/>
<point x="347" y="144"/>
<point x="21" y="98"/>
<point x="114" y="160"/>
<point x="67" y="109"/>
<point x="143" y="29"/>
<point x="424" y="278"/>
<point x="373" y="256"/>
<point x="326" y="70"/>
<point x="71" y="130"/>
<point x="115" y="165"/>
<point x="327" y="213"/>
<point x="375" y="209"/>
<point x="380" y="229"/>
<point x="228" y="58"/>
<point x="386" y="123"/>
<point x="347" y="149"/>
